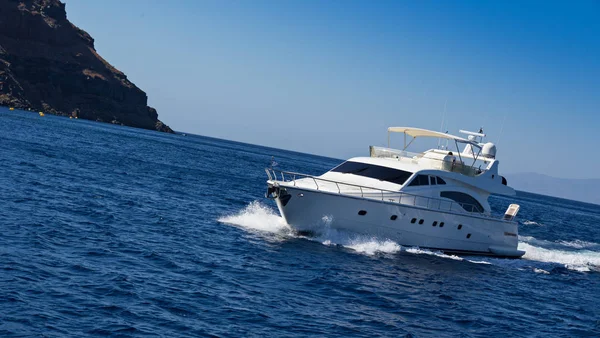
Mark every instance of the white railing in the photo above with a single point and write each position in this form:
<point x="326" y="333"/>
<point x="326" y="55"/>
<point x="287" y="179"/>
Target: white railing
<point x="434" y="163"/>
<point x="383" y="195"/>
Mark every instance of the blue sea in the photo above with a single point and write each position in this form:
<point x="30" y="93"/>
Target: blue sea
<point x="110" y="230"/>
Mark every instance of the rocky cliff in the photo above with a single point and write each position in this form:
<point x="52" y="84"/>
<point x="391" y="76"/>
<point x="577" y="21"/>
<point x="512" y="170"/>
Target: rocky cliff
<point x="48" y="64"/>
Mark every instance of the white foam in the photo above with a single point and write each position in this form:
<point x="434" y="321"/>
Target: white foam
<point x="580" y="260"/>
<point x="360" y="243"/>
<point x="257" y="216"/>
<point x="579" y="244"/>
<point x="526" y="238"/>
<point x="534" y="241"/>
<point x="420" y="251"/>
<point x="479" y="262"/>
<point x="536" y="270"/>
<point x="370" y="247"/>
<point x="532" y="223"/>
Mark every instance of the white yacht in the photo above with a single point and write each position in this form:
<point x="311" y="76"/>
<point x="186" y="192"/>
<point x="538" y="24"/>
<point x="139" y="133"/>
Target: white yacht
<point x="437" y="199"/>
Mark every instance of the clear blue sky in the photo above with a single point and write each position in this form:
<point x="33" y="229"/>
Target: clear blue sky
<point x="328" y="77"/>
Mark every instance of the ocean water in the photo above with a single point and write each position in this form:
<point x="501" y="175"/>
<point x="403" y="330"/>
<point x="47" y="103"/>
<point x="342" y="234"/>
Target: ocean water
<point x="109" y="230"/>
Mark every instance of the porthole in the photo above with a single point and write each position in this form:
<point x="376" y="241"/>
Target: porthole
<point x="468" y="235"/>
<point x="441" y="224"/>
<point x="459" y="226"/>
<point x="362" y="212"/>
<point x="393" y="218"/>
<point x="421" y="221"/>
<point x="413" y="220"/>
<point x="434" y="223"/>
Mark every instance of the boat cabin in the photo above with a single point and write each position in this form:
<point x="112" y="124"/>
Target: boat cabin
<point x="465" y="176"/>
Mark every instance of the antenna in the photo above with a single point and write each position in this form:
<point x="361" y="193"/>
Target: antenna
<point x="481" y="132"/>
<point x="487" y="114"/>
<point x="501" y="130"/>
<point x="446" y="131"/>
<point x="442" y="126"/>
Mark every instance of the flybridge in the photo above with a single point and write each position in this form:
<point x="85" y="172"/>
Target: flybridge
<point x="476" y="153"/>
<point x="418" y="132"/>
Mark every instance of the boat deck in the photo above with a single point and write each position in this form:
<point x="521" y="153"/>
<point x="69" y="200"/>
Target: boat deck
<point x="285" y="178"/>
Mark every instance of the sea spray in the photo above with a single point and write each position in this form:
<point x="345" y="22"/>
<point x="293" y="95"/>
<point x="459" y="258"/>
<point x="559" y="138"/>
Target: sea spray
<point x="579" y="244"/>
<point x="440" y="254"/>
<point x="531" y="223"/>
<point x="257" y="216"/>
<point x="364" y="244"/>
<point x="578" y="260"/>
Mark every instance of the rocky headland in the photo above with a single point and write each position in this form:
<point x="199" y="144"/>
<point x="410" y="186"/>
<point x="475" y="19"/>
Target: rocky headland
<point x="48" y="64"/>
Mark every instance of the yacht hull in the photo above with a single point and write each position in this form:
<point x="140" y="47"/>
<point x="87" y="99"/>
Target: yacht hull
<point x="316" y="211"/>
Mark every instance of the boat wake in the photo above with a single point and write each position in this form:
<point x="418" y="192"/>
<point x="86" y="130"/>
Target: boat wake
<point x="261" y="219"/>
<point x="258" y="217"/>
<point x="573" y="255"/>
<point x="360" y="243"/>
<point x="578" y="244"/>
<point x="541" y="256"/>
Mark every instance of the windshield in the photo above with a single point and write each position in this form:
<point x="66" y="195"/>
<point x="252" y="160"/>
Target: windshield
<point x="373" y="171"/>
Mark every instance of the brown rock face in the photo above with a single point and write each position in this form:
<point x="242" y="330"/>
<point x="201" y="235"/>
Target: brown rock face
<point x="48" y="64"/>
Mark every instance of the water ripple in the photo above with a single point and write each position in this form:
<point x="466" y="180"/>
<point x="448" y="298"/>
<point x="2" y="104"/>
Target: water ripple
<point x="115" y="231"/>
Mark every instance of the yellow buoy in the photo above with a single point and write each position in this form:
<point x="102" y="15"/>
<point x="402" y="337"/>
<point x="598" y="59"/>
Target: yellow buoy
<point x="11" y="108"/>
<point x="70" y="117"/>
<point x="41" y="114"/>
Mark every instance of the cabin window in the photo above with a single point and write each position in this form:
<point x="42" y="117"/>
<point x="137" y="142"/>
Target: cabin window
<point x="419" y="180"/>
<point x="373" y="171"/>
<point x="432" y="180"/>
<point x="394" y="217"/>
<point x="466" y="201"/>
<point x="413" y="220"/>
<point x="440" y="181"/>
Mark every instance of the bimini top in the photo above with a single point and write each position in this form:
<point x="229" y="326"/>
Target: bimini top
<point x="418" y="132"/>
